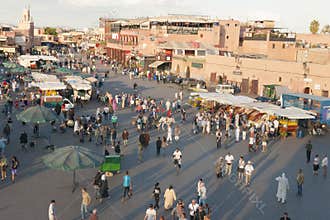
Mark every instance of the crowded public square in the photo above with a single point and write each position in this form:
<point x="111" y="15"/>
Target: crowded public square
<point x="146" y="116"/>
<point x="227" y="196"/>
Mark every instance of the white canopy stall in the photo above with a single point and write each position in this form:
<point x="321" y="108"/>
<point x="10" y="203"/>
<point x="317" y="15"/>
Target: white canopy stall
<point x="28" y="60"/>
<point x="290" y="112"/>
<point x="40" y="77"/>
<point x="81" y="88"/>
<point x="48" y="86"/>
<point x="225" y="99"/>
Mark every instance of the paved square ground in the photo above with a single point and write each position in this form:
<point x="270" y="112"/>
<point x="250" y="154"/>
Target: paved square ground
<point x="36" y="185"/>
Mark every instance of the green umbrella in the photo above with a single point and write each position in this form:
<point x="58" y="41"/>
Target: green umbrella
<point x="10" y="65"/>
<point x="17" y="70"/>
<point x="27" y="79"/>
<point x="36" y="114"/>
<point x="72" y="158"/>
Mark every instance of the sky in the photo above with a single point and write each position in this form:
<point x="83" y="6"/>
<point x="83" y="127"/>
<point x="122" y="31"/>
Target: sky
<point x="295" y="15"/>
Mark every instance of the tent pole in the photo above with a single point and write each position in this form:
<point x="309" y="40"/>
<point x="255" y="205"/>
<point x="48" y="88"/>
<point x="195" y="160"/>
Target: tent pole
<point x="74" y="181"/>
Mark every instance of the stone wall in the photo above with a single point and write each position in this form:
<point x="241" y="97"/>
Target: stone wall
<point x="296" y="76"/>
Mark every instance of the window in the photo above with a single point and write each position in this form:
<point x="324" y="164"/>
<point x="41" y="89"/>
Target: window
<point x="273" y="46"/>
<point x="325" y="93"/>
<point x="227" y="25"/>
<point x="179" y="52"/>
<point x="197" y="65"/>
<point x="227" y="37"/>
<point x="201" y="52"/>
<point x="236" y="25"/>
<point x="283" y="46"/>
<point x="280" y="79"/>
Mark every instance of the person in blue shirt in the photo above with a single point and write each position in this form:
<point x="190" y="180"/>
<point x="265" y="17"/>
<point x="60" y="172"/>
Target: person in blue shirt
<point x="127" y="186"/>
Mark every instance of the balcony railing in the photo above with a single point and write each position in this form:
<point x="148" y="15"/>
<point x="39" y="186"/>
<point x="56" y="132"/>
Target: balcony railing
<point x="274" y="37"/>
<point x="262" y="37"/>
<point x="182" y="30"/>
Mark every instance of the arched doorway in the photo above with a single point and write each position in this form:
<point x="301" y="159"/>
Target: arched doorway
<point x="307" y="90"/>
<point x="188" y="72"/>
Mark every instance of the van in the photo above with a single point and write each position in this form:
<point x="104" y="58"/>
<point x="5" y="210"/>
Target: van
<point x="227" y="89"/>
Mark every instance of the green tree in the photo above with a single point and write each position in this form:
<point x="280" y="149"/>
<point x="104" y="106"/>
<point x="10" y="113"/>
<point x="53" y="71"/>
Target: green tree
<point x="50" y="31"/>
<point x="314" y="26"/>
<point x="326" y="29"/>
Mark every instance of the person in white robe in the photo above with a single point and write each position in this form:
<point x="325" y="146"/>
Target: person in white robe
<point x="282" y="188"/>
<point x="237" y="133"/>
<point x="169" y="134"/>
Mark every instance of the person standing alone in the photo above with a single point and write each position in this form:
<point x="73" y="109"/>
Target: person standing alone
<point x="158" y="146"/>
<point x="126" y="186"/>
<point x="125" y="135"/>
<point x="248" y="172"/>
<point x="86" y="200"/>
<point x="300" y="182"/>
<point x="324" y="165"/>
<point x="51" y="211"/>
<point x="308" y="147"/>
<point x="316" y="165"/>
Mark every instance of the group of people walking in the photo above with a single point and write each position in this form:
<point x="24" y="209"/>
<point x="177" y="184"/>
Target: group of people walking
<point x="197" y="209"/>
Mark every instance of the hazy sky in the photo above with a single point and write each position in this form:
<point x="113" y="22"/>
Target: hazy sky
<point x="292" y="14"/>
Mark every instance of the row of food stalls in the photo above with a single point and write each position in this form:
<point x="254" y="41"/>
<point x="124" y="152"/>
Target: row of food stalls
<point x="35" y="61"/>
<point x="256" y="112"/>
<point x="54" y="90"/>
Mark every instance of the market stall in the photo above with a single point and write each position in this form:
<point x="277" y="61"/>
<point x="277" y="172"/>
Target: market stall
<point x="256" y="112"/>
<point x="288" y="117"/>
<point x="81" y="88"/>
<point x="223" y="99"/>
<point x="30" y="61"/>
<point x="317" y="104"/>
<point x="40" y="77"/>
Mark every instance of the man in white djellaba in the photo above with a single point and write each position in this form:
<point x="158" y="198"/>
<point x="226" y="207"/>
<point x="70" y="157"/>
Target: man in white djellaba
<point x="283" y="188"/>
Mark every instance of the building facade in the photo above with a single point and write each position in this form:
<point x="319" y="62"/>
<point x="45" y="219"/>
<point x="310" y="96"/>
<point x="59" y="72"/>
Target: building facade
<point x="252" y="74"/>
<point x="25" y="32"/>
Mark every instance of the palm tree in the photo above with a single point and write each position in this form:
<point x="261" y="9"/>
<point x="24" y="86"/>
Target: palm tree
<point x="326" y="29"/>
<point x="314" y="26"/>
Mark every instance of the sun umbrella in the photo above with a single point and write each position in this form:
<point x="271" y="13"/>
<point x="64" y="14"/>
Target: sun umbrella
<point x="17" y="70"/>
<point x="10" y="65"/>
<point x="72" y="158"/>
<point x="36" y="114"/>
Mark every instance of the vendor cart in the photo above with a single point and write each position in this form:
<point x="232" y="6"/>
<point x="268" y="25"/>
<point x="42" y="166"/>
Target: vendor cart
<point x="112" y="164"/>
